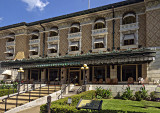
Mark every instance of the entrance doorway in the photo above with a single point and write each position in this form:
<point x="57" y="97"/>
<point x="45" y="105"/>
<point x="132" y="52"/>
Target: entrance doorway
<point x="74" y="77"/>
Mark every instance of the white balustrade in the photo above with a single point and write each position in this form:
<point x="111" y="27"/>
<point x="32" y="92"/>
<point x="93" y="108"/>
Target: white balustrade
<point x="127" y="27"/>
<point x="74" y="35"/>
<point x="53" y="38"/>
<point x="99" y="31"/>
<point x="35" y="41"/>
<point x="10" y="43"/>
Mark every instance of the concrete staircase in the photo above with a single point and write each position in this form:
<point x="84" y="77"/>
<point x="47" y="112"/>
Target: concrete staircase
<point x="71" y="92"/>
<point x="24" y="97"/>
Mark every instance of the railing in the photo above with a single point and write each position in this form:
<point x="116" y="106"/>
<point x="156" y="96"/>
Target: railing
<point x="99" y="31"/>
<point x="53" y="38"/>
<point x="29" y="91"/>
<point x="10" y="43"/>
<point x="80" y="90"/>
<point x="35" y="41"/>
<point x="62" y="90"/>
<point x="127" y="27"/>
<point x="74" y="35"/>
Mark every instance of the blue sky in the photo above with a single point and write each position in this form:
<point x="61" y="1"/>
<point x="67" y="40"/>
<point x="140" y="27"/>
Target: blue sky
<point x="16" y="11"/>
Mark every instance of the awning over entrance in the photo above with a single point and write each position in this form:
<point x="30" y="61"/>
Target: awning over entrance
<point x="7" y="72"/>
<point x="113" y="58"/>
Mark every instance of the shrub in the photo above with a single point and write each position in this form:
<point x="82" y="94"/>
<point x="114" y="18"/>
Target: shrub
<point x="138" y="95"/>
<point x="127" y="94"/>
<point x="144" y="92"/>
<point x="152" y="95"/>
<point x="133" y="98"/>
<point x="100" y="92"/>
<point x="4" y="92"/>
<point x="108" y="94"/>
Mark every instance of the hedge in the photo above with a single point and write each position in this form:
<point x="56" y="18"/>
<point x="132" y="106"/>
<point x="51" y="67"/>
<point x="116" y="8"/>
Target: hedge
<point x="61" y="106"/>
<point x="4" y="92"/>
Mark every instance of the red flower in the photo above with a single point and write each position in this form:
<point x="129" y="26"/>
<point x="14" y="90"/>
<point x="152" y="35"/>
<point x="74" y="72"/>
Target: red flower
<point x="143" y="85"/>
<point x="128" y="85"/>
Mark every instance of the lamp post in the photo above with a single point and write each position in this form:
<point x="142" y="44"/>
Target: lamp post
<point x="85" y="68"/>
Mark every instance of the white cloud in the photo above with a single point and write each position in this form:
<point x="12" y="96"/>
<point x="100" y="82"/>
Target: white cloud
<point x="1" y="19"/>
<point x="36" y="4"/>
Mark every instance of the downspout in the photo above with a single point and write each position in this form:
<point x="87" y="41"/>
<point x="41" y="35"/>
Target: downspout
<point x="113" y="22"/>
<point x="43" y="55"/>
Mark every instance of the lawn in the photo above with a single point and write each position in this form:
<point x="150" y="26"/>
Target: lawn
<point x="108" y="106"/>
<point x="128" y="105"/>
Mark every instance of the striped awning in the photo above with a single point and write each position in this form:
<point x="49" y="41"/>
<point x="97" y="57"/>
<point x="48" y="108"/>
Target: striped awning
<point x="129" y="36"/>
<point x="74" y="44"/>
<point x="99" y="40"/>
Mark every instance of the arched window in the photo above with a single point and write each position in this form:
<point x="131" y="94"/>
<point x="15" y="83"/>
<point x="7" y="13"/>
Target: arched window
<point x="99" y="24"/>
<point x="75" y="28"/>
<point x="11" y="37"/>
<point x="53" y="32"/>
<point x="35" y="35"/>
<point x="129" y="18"/>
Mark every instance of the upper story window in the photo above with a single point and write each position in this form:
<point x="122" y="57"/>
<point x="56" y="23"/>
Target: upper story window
<point x="53" y="32"/>
<point x="53" y="48"/>
<point x="129" y="39"/>
<point x="74" y="46"/>
<point x="129" y="18"/>
<point x="99" y="24"/>
<point x="35" y="35"/>
<point x="99" y="43"/>
<point x="11" y="37"/>
<point x="75" y="28"/>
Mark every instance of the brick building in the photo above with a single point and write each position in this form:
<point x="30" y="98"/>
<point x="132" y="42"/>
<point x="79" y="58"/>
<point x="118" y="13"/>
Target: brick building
<point x="117" y="42"/>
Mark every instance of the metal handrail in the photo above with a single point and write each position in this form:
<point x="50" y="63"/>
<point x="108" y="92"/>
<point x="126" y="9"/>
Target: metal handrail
<point x="62" y="90"/>
<point x="26" y="89"/>
<point x="79" y="90"/>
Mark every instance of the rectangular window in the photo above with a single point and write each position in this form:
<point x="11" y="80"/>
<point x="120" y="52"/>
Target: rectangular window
<point x="74" y="48"/>
<point x="99" y="45"/>
<point x="129" y="42"/>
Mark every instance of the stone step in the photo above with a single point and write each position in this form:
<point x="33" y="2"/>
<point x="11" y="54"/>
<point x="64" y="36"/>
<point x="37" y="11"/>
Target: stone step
<point x="7" y="107"/>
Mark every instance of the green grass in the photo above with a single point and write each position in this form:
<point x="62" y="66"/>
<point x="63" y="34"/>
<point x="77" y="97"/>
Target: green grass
<point x="108" y="106"/>
<point x="128" y="105"/>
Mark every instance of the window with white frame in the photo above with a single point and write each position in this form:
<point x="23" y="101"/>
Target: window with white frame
<point x="99" y="24"/>
<point x="35" y="35"/>
<point x="9" y="52"/>
<point x="33" y="50"/>
<point x="53" y="41"/>
<point x="75" y="28"/>
<point x="129" y="18"/>
<point x="99" y="43"/>
<point x="74" y="46"/>
<point x="74" y="38"/>
<point x="53" y="32"/>
<point x="129" y="31"/>
<point x="53" y="48"/>
<point x="10" y="45"/>
<point x="129" y="39"/>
